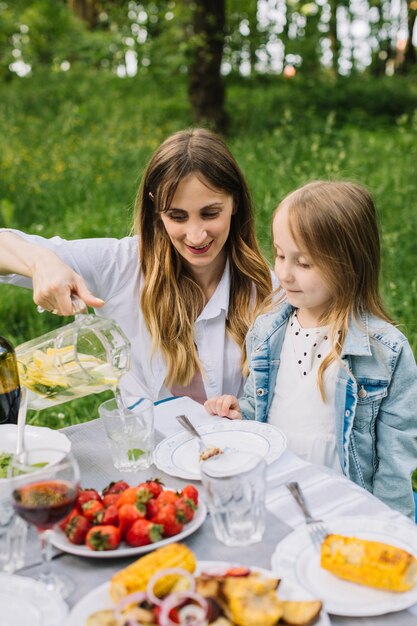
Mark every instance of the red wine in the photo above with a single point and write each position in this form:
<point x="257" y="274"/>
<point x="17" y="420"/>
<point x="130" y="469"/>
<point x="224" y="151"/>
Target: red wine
<point x="9" y="384"/>
<point x="45" y="503"/>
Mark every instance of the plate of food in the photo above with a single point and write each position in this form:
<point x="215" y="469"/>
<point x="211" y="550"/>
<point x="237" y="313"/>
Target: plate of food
<point x="171" y="583"/>
<point x="178" y="455"/>
<point x="366" y="566"/>
<point x="127" y="521"/>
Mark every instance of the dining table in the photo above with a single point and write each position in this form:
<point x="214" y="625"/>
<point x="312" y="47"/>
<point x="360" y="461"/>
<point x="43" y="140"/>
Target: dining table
<point x="329" y="495"/>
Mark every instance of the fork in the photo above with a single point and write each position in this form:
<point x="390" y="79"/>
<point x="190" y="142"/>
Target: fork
<point x="316" y="527"/>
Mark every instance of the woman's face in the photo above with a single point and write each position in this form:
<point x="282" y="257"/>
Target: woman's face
<point x="198" y="224"/>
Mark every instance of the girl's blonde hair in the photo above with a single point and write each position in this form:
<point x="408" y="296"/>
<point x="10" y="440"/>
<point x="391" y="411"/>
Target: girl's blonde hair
<point x="335" y="224"/>
<point x="171" y="300"/>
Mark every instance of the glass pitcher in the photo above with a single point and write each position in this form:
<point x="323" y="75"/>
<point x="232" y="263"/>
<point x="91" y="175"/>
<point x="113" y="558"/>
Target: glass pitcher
<point x="84" y="357"/>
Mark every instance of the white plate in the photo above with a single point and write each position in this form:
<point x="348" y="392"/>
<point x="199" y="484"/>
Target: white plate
<point x="178" y="454"/>
<point x="99" y="597"/>
<point x="59" y="540"/>
<point x="35" y="437"/>
<point x="28" y="602"/>
<point x="296" y="558"/>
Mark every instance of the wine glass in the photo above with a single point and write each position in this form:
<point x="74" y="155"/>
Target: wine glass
<point x="45" y="486"/>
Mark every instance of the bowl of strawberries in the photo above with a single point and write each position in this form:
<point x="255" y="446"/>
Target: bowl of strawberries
<point x="124" y="520"/>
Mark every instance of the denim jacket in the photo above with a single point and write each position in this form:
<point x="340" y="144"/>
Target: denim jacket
<point x="375" y="401"/>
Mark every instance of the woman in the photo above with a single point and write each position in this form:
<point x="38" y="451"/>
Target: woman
<point x="184" y="289"/>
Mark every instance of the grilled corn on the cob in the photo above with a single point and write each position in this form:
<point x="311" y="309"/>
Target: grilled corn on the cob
<point x="369" y="563"/>
<point x="136" y="576"/>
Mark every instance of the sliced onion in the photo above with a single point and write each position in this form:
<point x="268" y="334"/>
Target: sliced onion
<point x="177" y="599"/>
<point x="137" y="597"/>
<point x="161" y="574"/>
<point x="194" y="611"/>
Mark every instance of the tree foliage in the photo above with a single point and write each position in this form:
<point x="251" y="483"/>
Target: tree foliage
<point x="208" y="39"/>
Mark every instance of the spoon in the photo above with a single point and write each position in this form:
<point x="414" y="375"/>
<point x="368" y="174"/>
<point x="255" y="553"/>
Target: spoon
<point x="204" y="450"/>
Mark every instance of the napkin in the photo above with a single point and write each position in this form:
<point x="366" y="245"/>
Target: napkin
<point x="328" y="494"/>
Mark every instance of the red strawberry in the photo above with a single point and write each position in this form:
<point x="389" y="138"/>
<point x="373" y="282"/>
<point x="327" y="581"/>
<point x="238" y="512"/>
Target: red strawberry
<point x="185" y="509"/>
<point x="152" y="508"/>
<point x="167" y="517"/>
<point x="110" y="498"/>
<point x="142" y="532"/>
<point x="190" y="492"/>
<point x="135" y="495"/>
<point x="84" y="495"/>
<point x="109" y="515"/>
<point x="128" y="514"/>
<point x="76" y="529"/>
<point x="154" y="486"/>
<point x="115" y="487"/>
<point x="168" y="497"/>
<point x="91" y="508"/>
<point x="66" y="519"/>
<point x="103" y="538"/>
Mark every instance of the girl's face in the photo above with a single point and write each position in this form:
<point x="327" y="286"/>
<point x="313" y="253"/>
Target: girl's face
<point x="198" y="224"/>
<point x="303" y="284"/>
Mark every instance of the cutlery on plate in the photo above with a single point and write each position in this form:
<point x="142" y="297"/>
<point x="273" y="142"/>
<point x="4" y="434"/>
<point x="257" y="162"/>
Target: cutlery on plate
<point x="316" y="527"/>
<point x="204" y="450"/>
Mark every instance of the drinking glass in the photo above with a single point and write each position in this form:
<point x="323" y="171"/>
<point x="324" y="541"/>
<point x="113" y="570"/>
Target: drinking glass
<point x="12" y="534"/>
<point x="235" y="488"/>
<point x="130" y="433"/>
<point x="45" y="486"/>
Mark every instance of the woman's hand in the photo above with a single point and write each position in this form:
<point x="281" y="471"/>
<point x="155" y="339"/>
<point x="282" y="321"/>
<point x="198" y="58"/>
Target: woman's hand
<point x="225" y="406"/>
<point x="55" y="284"/>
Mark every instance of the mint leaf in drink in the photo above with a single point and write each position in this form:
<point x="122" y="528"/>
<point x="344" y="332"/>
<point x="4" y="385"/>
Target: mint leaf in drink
<point x="134" y="454"/>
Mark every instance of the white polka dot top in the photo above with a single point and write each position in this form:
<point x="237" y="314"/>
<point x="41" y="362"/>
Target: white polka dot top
<point x="297" y="407"/>
<point x="311" y="345"/>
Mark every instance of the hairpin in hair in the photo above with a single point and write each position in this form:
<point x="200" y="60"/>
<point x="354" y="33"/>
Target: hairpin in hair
<point x="152" y="197"/>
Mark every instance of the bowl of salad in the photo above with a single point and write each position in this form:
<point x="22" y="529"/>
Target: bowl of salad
<point x="34" y="437"/>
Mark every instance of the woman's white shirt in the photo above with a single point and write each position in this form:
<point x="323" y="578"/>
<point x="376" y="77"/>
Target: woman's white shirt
<point x="111" y="270"/>
<point x="297" y="407"/>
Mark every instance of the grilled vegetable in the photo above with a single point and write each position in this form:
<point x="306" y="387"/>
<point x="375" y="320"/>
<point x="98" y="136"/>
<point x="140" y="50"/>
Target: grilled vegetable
<point x="369" y="563"/>
<point x="136" y="576"/>
<point x="301" y="613"/>
<point x="252" y="601"/>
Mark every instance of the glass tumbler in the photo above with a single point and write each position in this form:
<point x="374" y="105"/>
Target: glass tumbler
<point x="12" y="532"/>
<point x="235" y="489"/>
<point x="130" y="434"/>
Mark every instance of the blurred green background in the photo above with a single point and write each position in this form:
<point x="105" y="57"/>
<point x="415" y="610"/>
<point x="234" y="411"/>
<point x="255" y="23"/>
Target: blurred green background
<point x="85" y="98"/>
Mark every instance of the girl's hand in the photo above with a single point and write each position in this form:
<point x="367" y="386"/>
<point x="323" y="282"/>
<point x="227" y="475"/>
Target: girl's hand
<point x="225" y="406"/>
<point x="54" y="283"/>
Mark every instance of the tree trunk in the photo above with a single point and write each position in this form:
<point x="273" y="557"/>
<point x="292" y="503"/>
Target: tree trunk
<point x="85" y="10"/>
<point x="334" y="40"/>
<point x="205" y="84"/>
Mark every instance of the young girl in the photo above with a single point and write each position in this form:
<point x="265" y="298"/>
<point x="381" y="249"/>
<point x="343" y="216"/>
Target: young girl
<point x="326" y="365"/>
<point x="184" y="290"/>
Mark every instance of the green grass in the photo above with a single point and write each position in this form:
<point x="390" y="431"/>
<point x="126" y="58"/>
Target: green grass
<point x="73" y="148"/>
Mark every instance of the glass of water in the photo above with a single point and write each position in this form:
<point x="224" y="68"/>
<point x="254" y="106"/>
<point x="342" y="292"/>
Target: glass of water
<point x="12" y="533"/>
<point x="235" y="488"/>
<point x="130" y="434"/>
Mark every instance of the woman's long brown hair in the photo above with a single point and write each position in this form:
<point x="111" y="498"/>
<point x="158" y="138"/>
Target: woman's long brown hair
<point x="171" y="300"/>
